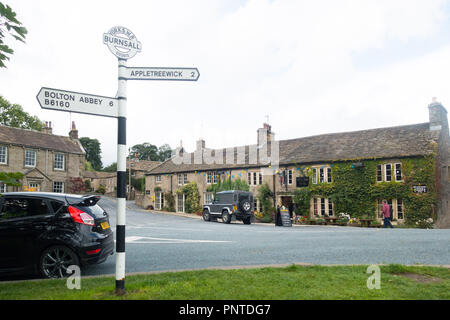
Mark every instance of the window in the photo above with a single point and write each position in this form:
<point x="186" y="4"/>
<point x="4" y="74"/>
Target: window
<point x="34" y="186"/>
<point x="399" y="209"/>
<point x="3" y="187"/>
<point x="322" y="207"/>
<point x="159" y="200"/>
<point x="289" y="176"/>
<point x="58" y="186"/>
<point x="59" y="161"/>
<point x="388" y="172"/>
<point x="321" y="175"/>
<point x="22" y="207"/>
<point x="30" y="158"/>
<point x="180" y="179"/>
<point x="211" y="177"/>
<point x="396" y="206"/>
<point x="260" y="179"/>
<point x="254" y="178"/>
<point x="180" y="202"/>
<point x="379" y="173"/>
<point x="3" y="155"/>
<point x="157" y="178"/>
<point x="185" y="178"/>
<point x="398" y="172"/>
<point x="249" y="177"/>
<point x="208" y="197"/>
<point x="56" y="205"/>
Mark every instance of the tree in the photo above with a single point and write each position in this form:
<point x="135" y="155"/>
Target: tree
<point x="9" y="25"/>
<point x="76" y="185"/>
<point x="14" y="116"/>
<point x="164" y="152"/>
<point x="111" y="168"/>
<point x="145" y="151"/>
<point x="11" y="178"/>
<point x="148" y="151"/>
<point x="93" y="152"/>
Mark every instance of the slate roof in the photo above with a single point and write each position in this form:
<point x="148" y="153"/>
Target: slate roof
<point x="99" y="174"/>
<point x="35" y="139"/>
<point x="142" y="165"/>
<point x="391" y="142"/>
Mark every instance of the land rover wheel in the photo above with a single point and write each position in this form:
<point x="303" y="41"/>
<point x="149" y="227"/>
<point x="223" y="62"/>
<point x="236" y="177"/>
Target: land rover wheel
<point x="206" y="215"/>
<point x="246" y="206"/>
<point x="226" y="218"/>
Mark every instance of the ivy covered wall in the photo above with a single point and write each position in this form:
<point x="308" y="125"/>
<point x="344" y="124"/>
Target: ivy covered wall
<point x="356" y="192"/>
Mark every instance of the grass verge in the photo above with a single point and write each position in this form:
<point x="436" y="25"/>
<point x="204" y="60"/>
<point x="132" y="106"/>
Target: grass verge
<point x="288" y="283"/>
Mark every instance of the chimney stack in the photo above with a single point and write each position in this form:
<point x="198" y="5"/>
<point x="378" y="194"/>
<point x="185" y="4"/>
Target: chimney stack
<point x="265" y="135"/>
<point x="47" y="128"/>
<point x="73" y="134"/>
<point x="438" y="116"/>
<point x="200" y="144"/>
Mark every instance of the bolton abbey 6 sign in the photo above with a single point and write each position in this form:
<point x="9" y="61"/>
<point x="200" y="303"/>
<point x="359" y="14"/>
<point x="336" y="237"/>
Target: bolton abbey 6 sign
<point x="70" y="101"/>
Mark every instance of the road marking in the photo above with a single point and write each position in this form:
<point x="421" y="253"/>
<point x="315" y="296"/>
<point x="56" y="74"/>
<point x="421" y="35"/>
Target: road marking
<point x="151" y="240"/>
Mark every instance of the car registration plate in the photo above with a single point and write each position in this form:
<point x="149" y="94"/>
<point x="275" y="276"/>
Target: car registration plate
<point x="105" y="225"/>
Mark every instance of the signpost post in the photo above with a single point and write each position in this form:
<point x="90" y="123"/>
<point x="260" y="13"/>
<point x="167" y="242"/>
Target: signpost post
<point x="124" y="45"/>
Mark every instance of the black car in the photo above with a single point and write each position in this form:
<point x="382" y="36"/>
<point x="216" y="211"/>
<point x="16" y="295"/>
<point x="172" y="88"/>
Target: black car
<point x="47" y="232"/>
<point x="230" y="205"/>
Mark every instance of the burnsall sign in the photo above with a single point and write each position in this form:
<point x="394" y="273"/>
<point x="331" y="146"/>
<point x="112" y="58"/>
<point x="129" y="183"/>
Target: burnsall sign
<point x="122" y="42"/>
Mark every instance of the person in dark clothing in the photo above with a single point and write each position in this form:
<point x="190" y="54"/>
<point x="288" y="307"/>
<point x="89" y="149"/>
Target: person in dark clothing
<point x="291" y="209"/>
<point x="278" y="217"/>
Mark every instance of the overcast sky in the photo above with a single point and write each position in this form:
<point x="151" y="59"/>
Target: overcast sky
<point x="313" y="67"/>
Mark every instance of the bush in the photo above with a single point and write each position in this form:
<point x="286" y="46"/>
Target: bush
<point x="101" y="189"/>
<point x="192" y="198"/>
<point x="170" y="202"/>
<point x="265" y="198"/>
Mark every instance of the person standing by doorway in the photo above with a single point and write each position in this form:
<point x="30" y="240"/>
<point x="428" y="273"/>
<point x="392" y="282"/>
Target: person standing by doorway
<point x="387" y="215"/>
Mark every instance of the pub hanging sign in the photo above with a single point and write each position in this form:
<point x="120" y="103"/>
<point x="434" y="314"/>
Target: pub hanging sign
<point x="420" y="189"/>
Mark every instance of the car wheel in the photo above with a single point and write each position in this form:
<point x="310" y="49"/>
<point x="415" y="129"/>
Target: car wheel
<point x="55" y="260"/>
<point x="226" y="218"/>
<point x="246" y="206"/>
<point x="247" y="220"/>
<point x="206" y="215"/>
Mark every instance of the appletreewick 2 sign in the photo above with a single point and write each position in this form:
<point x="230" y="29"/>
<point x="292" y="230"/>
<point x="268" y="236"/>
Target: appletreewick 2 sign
<point x="124" y="45"/>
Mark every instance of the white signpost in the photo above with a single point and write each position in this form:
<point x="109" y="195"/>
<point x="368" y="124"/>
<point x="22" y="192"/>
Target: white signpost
<point x="62" y="100"/>
<point x="124" y="45"/>
<point x="148" y="73"/>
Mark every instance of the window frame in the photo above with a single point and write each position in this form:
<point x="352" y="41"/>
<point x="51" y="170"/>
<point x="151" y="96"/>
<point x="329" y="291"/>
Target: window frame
<point x="4" y="155"/>
<point x="395" y="171"/>
<point x="379" y="173"/>
<point x="385" y="172"/>
<point x="54" y="186"/>
<point x="63" y="163"/>
<point x="28" y="151"/>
